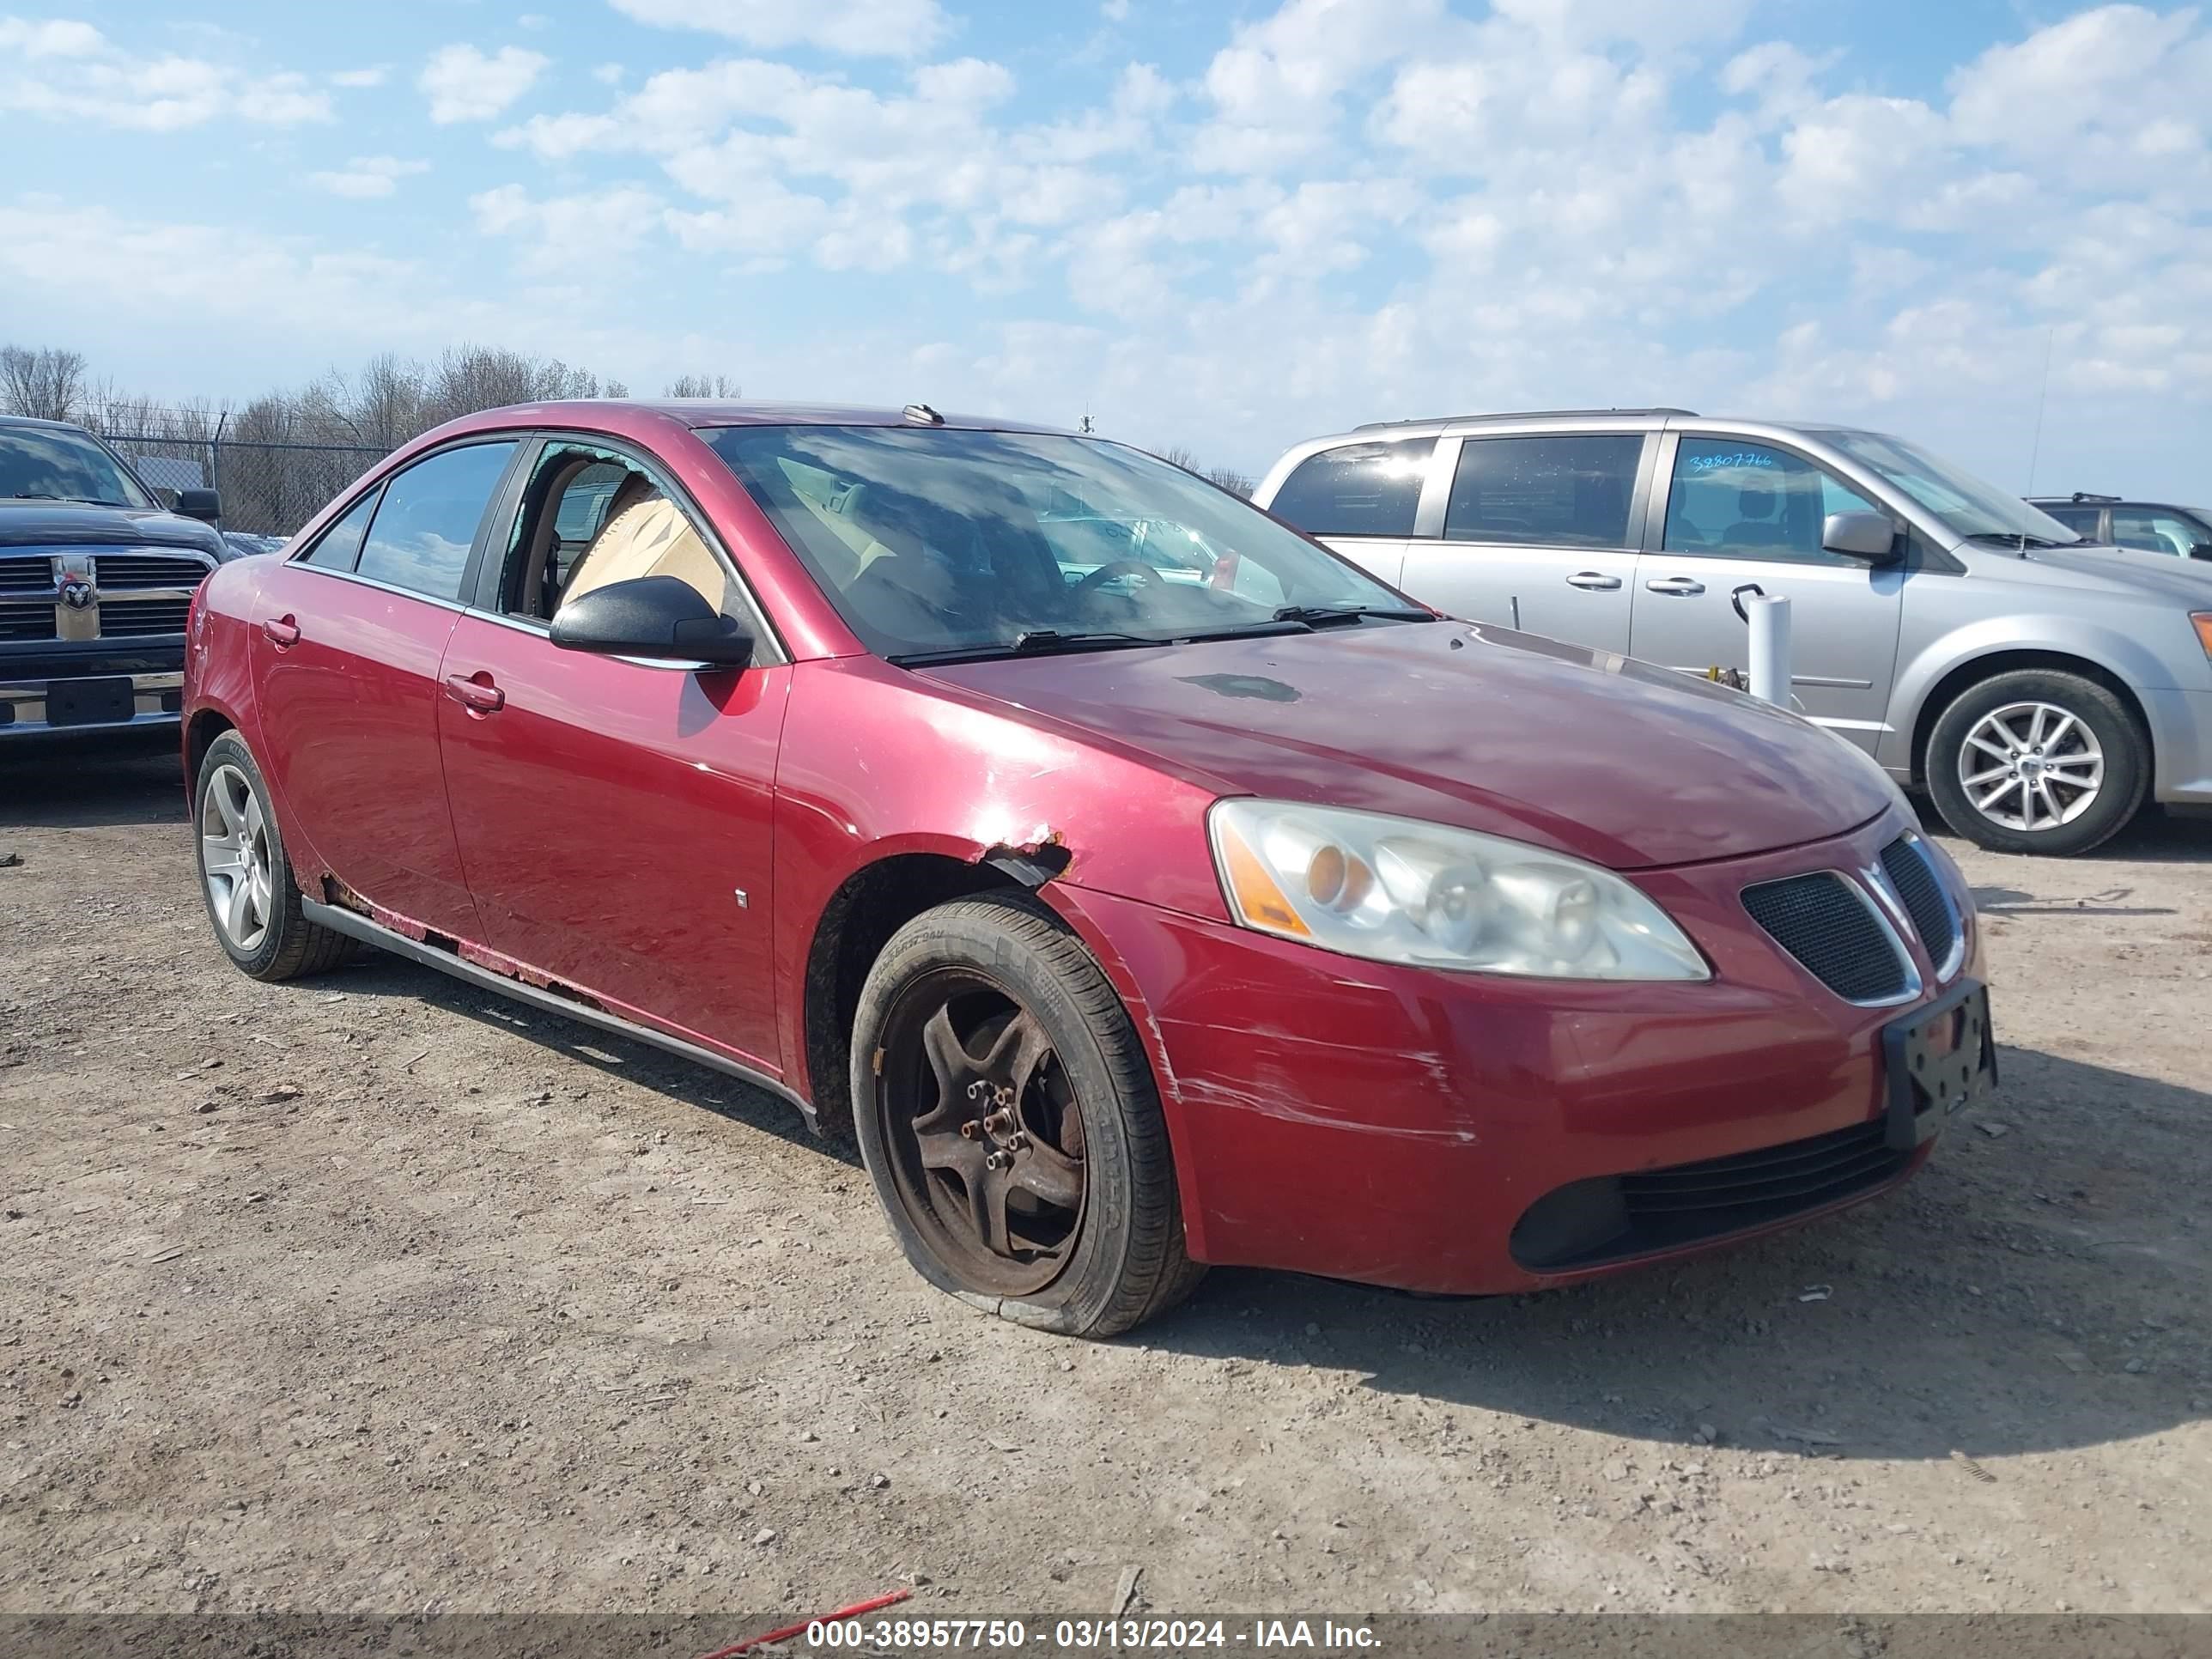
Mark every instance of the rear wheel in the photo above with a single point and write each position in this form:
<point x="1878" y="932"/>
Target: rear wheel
<point x="1007" y="1112"/>
<point x="2038" y="761"/>
<point x="244" y="876"/>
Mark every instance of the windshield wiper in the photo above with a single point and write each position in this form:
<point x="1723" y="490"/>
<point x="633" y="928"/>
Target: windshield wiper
<point x="1030" y="642"/>
<point x="2016" y="540"/>
<point x="73" y="501"/>
<point x="1322" y="616"/>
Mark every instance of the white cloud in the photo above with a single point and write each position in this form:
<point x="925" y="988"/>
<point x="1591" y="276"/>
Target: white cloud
<point x="374" y="75"/>
<point x="465" y="84"/>
<point x="892" y="28"/>
<point x="365" y="177"/>
<point x="69" y="71"/>
<point x="1275" y="87"/>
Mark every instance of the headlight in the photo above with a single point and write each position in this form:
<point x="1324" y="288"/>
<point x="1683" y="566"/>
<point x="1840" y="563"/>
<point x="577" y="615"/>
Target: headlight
<point x="1398" y="890"/>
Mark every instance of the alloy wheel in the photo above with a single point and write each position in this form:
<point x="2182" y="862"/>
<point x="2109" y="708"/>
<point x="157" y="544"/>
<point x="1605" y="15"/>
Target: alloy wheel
<point x="2031" y="766"/>
<point x="984" y="1133"/>
<point x="234" y="857"/>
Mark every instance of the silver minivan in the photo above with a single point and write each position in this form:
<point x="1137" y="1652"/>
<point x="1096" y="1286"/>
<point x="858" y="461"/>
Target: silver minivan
<point x="2038" y="688"/>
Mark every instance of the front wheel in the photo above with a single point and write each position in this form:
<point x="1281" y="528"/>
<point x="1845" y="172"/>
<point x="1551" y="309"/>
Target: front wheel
<point x="1007" y="1112"/>
<point x="2038" y="761"/>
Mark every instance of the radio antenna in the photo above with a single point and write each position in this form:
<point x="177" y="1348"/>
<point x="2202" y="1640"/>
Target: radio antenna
<point x="2035" y="451"/>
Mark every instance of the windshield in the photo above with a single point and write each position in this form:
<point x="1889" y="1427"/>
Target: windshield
<point x="53" y="462"/>
<point x="932" y="542"/>
<point x="1966" y="504"/>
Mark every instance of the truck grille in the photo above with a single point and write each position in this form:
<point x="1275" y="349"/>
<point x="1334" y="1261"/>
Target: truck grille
<point x="1832" y="927"/>
<point x="1905" y="862"/>
<point x="128" y="619"/>
<point x="137" y="593"/>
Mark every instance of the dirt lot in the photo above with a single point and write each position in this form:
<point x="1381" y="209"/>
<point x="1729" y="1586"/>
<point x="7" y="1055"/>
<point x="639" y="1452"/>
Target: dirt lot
<point x="375" y="1293"/>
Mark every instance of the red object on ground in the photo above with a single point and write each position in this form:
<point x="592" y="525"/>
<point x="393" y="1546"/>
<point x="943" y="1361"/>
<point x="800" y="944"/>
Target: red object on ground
<point x="789" y="1631"/>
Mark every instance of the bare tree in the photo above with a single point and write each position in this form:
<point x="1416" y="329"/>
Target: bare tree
<point x="48" y="383"/>
<point x="1236" y="482"/>
<point x="1176" y="455"/>
<point x="704" y="385"/>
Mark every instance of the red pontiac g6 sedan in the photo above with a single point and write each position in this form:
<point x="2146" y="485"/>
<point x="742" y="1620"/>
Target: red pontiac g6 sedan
<point x="1144" y="885"/>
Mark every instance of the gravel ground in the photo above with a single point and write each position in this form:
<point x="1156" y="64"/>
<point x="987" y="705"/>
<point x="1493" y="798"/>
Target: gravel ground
<point x="375" y="1293"/>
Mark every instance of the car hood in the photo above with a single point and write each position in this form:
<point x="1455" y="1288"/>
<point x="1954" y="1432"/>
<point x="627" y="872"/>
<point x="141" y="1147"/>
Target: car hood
<point x="68" y="523"/>
<point x="2119" y="570"/>
<point x="1583" y="751"/>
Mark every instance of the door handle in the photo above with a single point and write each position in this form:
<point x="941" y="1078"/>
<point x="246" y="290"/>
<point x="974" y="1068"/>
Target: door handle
<point x="1595" y="580"/>
<point x="1678" y="584"/>
<point x="476" y="692"/>
<point x="281" y="632"/>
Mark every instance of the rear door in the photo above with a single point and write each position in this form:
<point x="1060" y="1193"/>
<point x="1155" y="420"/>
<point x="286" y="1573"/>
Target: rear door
<point x="616" y="817"/>
<point x="346" y="654"/>
<point x="1734" y="515"/>
<point x="1361" y="498"/>
<point x="1539" y="532"/>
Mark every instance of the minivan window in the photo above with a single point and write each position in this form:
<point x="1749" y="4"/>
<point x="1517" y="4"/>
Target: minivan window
<point x="2081" y="520"/>
<point x="1735" y="499"/>
<point x="1357" y="490"/>
<point x="426" y="521"/>
<point x="935" y="542"/>
<point x="1553" y="491"/>
<point x="1968" y="506"/>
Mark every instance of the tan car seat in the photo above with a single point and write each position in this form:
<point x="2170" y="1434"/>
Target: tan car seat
<point x="646" y="534"/>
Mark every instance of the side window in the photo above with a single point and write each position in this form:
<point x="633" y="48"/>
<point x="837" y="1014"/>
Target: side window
<point x="1357" y="490"/>
<point x="1732" y="498"/>
<point x="338" y="548"/>
<point x="427" y="522"/>
<point x="2081" y="520"/>
<point x="1551" y="491"/>
<point x="2152" y="532"/>
<point x="591" y="517"/>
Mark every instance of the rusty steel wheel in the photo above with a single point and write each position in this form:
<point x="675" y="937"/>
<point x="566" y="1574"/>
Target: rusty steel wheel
<point x="1007" y="1112"/>
<point x="986" y="1137"/>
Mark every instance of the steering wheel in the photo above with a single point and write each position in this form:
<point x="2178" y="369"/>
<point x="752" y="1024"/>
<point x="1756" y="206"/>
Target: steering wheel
<point x="1112" y="568"/>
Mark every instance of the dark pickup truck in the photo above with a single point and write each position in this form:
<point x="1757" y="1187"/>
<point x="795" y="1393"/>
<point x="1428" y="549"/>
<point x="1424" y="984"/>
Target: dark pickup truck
<point x="96" y="578"/>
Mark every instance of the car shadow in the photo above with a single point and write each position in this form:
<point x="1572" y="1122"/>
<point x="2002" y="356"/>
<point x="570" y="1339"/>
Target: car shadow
<point x="2032" y="1290"/>
<point x="1991" y="1307"/>
<point x="102" y="778"/>
<point x="611" y="1055"/>
<point x="2014" y="902"/>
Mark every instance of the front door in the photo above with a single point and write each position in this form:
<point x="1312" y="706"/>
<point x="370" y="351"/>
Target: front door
<point x="347" y="643"/>
<point x="1741" y="514"/>
<point x="614" y="817"/>
<point x="1539" y="533"/>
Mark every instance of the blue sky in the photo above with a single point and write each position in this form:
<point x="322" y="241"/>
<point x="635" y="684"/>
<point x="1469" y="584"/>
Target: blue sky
<point x="1224" y="226"/>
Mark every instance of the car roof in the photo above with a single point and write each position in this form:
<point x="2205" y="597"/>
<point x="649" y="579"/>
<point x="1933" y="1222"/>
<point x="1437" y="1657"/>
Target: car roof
<point x="1571" y="420"/>
<point x="698" y="412"/>
<point x="34" y="420"/>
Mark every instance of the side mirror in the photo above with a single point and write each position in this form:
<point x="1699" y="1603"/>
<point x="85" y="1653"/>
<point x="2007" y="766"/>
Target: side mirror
<point x="661" y="618"/>
<point x="1869" y="536"/>
<point x="2201" y="550"/>
<point x="202" y="504"/>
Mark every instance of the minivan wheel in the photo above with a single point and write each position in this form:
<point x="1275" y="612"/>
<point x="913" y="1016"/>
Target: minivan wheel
<point x="244" y="876"/>
<point x="1007" y="1112"/>
<point x="2038" y="761"/>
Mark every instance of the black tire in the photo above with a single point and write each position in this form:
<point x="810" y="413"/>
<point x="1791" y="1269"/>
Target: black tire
<point x="289" y="945"/>
<point x="2109" y="724"/>
<point x="1123" y="1260"/>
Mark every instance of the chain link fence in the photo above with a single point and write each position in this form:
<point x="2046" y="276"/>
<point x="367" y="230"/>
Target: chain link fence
<point x="267" y="488"/>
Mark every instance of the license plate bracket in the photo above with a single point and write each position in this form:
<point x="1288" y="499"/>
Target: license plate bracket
<point x="1940" y="1060"/>
<point x="100" y="701"/>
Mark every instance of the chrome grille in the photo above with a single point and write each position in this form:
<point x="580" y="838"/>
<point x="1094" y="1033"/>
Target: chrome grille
<point x="1905" y="861"/>
<point x="27" y="619"/>
<point x="137" y="618"/>
<point x="1831" y="925"/>
<point x="31" y="575"/>
<point x="112" y="570"/>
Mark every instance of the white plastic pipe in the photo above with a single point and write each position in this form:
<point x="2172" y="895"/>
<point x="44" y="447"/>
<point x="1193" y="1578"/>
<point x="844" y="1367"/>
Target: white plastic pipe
<point x="1769" y="648"/>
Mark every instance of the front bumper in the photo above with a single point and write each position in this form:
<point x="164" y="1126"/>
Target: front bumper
<point x="28" y="707"/>
<point x="1397" y="1125"/>
<point x="2181" y="742"/>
